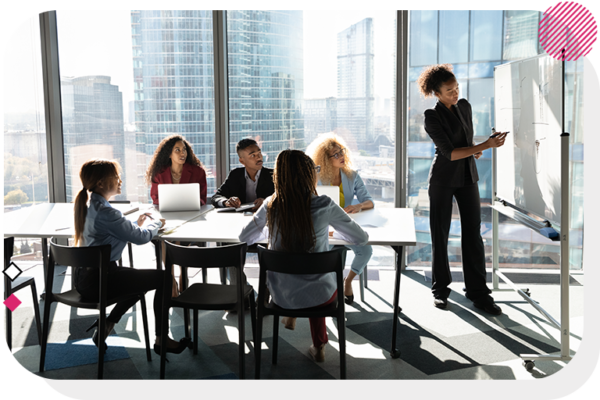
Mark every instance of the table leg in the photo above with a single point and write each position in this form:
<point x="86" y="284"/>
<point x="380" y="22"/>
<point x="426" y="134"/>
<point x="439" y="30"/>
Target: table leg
<point x="45" y="261"/>
<point x="395" y="353"/>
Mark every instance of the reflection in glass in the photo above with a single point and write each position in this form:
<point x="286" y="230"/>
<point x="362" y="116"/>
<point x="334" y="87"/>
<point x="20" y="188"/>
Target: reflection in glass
<point x="423" y="37"/>
<point x="486" y="27"/>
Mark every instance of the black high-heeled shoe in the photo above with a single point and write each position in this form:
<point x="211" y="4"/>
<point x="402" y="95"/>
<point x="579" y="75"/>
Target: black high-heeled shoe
<point x="95" y="335"/>
<point x="349" y="299"/>
<point x="183" y="344"/>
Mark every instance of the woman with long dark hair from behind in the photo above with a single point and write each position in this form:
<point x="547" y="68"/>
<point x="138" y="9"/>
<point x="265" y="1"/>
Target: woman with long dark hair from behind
<point x="100" y="224"/>
<point x="298" y="222"/>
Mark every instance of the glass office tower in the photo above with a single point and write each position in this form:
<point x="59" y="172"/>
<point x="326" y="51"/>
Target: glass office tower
<point x="173" y="73"/>
<point x="266" y="80"/>
<point x="92" y="110"/>
<point x="356" y="96"/>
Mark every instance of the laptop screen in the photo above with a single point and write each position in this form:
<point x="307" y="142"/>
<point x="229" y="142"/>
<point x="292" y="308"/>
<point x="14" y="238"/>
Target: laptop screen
<point x="179" y="197"/>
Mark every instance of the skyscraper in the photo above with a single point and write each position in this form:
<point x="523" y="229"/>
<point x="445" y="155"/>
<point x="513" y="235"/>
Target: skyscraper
<point x="355" y="88"/>
<point x="173" y="74"/>
<point x="266" y="80"/>
<point x="174" y="82"/>
<point x="92" y="126"/>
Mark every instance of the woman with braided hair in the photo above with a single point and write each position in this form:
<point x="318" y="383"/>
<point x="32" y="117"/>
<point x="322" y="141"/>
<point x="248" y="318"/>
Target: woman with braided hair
<point x="99" y="224"/>
<point x="453" y="174"/>
<point x="297" y="221"/>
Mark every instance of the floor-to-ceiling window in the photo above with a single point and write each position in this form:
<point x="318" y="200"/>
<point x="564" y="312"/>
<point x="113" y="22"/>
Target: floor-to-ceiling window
<point x="125" y="89"/>
<point x="474" y="42"/>
<point x="25" y="156"/>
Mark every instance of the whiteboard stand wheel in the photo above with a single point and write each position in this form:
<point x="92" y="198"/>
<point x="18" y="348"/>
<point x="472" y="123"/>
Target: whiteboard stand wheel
<point x="527" y="292"/>
<point x="528" y="364"/>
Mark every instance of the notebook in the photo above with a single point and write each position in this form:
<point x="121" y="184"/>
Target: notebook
<point x="179" y="197"/>
<point x="331" y="191"/>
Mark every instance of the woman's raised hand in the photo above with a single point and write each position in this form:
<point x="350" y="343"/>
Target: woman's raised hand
<point x="497" y="141"/>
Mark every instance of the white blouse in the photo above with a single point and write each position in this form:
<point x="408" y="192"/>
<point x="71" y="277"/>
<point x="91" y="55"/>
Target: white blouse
<point x="303" y="291"/>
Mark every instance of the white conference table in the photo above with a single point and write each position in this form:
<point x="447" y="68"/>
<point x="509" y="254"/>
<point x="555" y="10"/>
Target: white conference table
<point x="392" y="227"/>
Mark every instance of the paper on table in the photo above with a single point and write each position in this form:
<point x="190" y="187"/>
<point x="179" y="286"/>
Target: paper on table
<point x="370" y="218"/>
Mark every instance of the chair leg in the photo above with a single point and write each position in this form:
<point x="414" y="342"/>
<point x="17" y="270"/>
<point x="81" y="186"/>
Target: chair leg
<point x="195" y="331"/>
<point x="258" y="344"/>
<point x="101" y="328"/>
<point x="145" y="323"/>
<point x="366" y="273"/>
<point x="204" y="275"/>
<point x="9" y="326"/>
<point x="341" y="323"/>
<point x="45" y="329"/>
<point x="242" y="342"/>
<point x="223" y="273"/>
<point x="130" y="254"/>
<point x="186" y="322"/>
<point x="253" y="315"/>
<point x="36" y="311"/>
<point x="275" y="338"/>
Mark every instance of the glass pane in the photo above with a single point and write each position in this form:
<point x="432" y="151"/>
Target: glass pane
<point x="520" y="34"/>
<point x="519" y="247"/>
<point x="454" y="36"/>
<point x="126" y="88"/>
<point x="485" y="26"/>
<point x="423" y="37"/>
<point x="289" y="83"/>
<point x="266" y="80"/>
<point x="25" y="156"/>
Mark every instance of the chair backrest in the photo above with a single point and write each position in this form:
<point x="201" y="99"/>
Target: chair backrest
<point x="9" y="247"/>
<point x="206" y="257"/>
<point x="301" y="264"/>
<point x="89" y="257"/>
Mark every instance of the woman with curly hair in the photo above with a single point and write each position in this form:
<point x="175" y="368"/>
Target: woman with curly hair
<point x="453" y="174"/>
<point x="331" y="153"/>
<point x="174" y="162"/>
<point x="297" y="221"/>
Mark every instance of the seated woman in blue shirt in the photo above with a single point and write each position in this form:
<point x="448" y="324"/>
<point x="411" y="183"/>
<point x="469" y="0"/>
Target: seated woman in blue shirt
<point x="297" y="221"/>
<point x="331" y="153"/>
<point x="99" y="224"/>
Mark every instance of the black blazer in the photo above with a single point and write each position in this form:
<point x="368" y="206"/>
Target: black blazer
<point x="235" y="185"/>
<point x="448" y="132"/>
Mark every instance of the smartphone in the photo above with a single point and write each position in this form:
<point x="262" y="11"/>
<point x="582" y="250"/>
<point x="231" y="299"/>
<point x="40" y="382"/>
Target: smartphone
<point x="496" y="134"/>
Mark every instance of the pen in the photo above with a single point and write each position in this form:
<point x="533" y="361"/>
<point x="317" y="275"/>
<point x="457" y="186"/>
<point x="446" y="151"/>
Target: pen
<point x="62" y="229"/>
<point x="149" y="216"/>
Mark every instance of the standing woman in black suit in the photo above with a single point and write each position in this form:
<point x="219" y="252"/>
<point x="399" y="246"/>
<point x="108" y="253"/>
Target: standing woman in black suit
<point x="453" y="174"/>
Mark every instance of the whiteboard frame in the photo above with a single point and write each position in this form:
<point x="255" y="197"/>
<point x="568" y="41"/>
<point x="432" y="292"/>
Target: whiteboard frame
<point x="564" y="325"/>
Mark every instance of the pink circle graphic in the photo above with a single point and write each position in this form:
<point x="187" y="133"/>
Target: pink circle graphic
<point x="567" y="31"/>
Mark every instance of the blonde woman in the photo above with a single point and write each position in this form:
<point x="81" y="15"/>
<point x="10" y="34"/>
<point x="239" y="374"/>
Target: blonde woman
<point x="331" y="153"/>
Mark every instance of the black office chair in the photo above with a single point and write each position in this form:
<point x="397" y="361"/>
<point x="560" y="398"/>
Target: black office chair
<point x="90" y="257"/>
<point x="300" y="264"/>
<point x="205" y="296"/>
<point x="129" y="248"/>
<point x="14" y="286"/>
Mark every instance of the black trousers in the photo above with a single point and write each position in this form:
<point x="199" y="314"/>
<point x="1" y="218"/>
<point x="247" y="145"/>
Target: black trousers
<point x="123" y="281"/>
<point x="473" y="252"/>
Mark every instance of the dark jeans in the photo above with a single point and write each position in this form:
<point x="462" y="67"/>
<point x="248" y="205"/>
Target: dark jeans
<point x="473" y="253"/>
<point x="123" y="281"/>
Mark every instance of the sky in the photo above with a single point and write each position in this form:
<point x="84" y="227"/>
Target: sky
<point x="111" y="53"/>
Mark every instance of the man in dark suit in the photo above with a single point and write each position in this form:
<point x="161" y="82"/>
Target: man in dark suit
<point x="248" y="184"/>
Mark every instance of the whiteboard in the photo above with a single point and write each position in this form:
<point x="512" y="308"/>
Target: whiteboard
<point x="528" y="103"/>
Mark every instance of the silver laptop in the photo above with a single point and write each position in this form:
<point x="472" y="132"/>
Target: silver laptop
<point x="179" y="197"/>
<point x="331" y="191"/>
